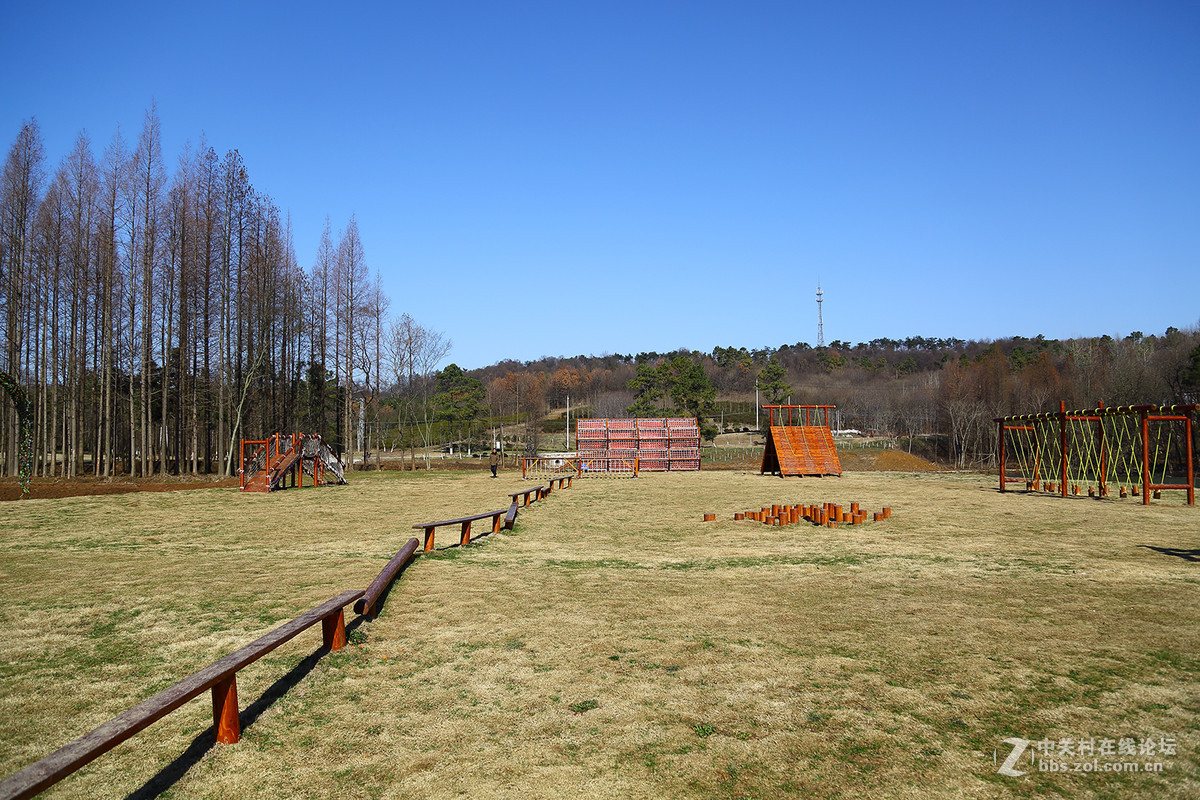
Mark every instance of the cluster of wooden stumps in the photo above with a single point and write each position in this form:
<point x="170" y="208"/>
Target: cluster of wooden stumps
<point x="829" y="515"/>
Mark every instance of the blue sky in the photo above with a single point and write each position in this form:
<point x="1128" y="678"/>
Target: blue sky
<point x="562" y="178"/>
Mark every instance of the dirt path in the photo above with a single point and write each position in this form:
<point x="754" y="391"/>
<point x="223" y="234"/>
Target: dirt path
<point x="48" y="488"/>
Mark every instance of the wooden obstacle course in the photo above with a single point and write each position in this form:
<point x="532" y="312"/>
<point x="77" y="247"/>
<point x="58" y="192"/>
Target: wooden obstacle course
<point x="278" y="458"/>
<point x="1065" y="451"/>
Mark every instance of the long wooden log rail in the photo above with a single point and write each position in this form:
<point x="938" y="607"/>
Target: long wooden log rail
<point x="221" y="677"/>
<point x="365" y="605"/>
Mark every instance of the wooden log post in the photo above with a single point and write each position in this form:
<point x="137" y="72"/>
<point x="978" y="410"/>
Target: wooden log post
<point x="333" y="630"/>
<point x="1145" y="458"/>
<point x="366" y="603"/>
<point x="226" y="725"/>
<point x="1062" y="441"/>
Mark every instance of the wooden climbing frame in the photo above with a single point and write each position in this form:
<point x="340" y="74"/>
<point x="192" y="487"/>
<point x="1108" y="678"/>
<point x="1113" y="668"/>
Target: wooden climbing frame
<point x="1133" y="447"/>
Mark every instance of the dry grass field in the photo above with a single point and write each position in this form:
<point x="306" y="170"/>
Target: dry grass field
<point x="614" y="645"/>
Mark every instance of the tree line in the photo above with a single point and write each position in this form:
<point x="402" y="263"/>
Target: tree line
<point x="940" y="393"/>
<point x="157" y="315"/>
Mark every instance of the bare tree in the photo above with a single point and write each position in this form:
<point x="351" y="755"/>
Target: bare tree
<point x="149" y="178"/>
<point x="415" y="352"/>
<point x="20" y="190"/>
<point x="351" y="286"/>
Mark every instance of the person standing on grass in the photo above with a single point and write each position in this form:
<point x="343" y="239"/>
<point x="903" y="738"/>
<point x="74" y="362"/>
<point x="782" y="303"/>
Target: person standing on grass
<point x="494" y="461"/>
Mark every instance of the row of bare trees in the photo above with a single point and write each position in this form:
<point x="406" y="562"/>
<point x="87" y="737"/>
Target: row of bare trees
<point x="158" y="315"/>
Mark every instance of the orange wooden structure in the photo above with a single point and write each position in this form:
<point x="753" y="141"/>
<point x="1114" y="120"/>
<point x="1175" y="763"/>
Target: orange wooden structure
<point x="270" y="462"/>
<point x="800" y="449"/>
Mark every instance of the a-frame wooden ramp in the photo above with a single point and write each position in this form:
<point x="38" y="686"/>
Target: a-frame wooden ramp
<point x="800" y="450"/>
<point x="794" y="450"/>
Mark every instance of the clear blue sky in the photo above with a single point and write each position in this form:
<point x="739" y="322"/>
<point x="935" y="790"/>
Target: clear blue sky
<point x="560" y="178"/>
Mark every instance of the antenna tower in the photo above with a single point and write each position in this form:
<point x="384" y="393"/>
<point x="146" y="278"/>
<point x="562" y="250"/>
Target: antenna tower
<point x="820" y="322"/>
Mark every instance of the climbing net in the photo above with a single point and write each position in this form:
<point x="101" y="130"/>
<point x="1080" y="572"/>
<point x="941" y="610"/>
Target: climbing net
<point x="1137" y="449"/>
<point x="314" y="449"/>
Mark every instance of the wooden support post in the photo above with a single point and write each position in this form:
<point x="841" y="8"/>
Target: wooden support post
<point x="1000" y="447"/>
<point x="1145" y="458"/>
<point x="1191" y="475"/>
<point x="496" y="518"/>
<point x="429" y="537"/>
<point x="333" y="630"/>
<point x="1062" y="438"/>
<point x="1103" y="453"/>
<point x="465" y="539"/>
<point x="225" y="711"/>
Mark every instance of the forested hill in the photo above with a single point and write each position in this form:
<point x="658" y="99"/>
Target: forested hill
<point x="945" y="387"/>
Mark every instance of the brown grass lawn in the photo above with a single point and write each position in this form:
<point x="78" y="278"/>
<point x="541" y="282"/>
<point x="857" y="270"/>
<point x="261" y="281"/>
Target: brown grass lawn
<point x="613" y="645"/>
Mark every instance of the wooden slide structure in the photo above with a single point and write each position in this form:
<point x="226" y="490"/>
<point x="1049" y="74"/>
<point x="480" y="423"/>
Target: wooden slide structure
<point x="800" y="450"/>
<point x="272" y="461"/>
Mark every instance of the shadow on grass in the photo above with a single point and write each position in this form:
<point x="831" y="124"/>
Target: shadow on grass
<point x="1186" y="555"/>
<point x="169" y="775"/>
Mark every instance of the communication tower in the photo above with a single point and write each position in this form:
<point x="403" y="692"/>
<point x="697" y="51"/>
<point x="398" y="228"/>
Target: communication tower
<point x="820" y="322"/>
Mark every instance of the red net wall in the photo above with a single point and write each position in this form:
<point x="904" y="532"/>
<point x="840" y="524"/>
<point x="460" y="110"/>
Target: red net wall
<point x="658" y="444"/>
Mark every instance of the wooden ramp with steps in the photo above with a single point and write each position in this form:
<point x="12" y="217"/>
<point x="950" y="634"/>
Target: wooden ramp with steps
<point x="276" y="473"/>
<point x="794" y="450"/>
<point x="274" y="460"/>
